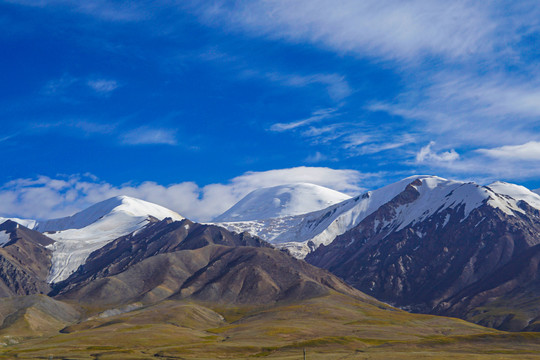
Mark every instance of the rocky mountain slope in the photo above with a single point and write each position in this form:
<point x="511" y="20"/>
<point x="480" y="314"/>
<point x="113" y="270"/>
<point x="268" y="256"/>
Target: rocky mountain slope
<point x="181" y="260"/>
<point x="433" y="240"/>
<point x="33" y="316"/>
<point x="24" y="260"/>
<point x="507" y="299"/>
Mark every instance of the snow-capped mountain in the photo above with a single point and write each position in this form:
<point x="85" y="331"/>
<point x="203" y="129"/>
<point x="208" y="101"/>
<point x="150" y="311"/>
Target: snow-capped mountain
<point x="281" y="201"/>
<point x="425" y="243"/>
<point x="517" y="192"/>
<point x="78" y="235"/>
<point x="432" y="239"/>
<point x="302" y="234"/>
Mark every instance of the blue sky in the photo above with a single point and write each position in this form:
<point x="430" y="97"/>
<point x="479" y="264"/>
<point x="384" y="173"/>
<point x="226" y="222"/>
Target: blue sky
<point x="203" y="101"/>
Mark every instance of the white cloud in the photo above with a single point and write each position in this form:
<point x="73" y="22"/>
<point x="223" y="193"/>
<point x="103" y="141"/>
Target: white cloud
<point x="57" y="87"/>
<point x="102" y="86"/>
<point x="7" y="137"/>
<point x="317" y="157"/>
<point x="527" y="151"/>
<point x="375" y="141"/>
<point x="146" y="136"/>
<point x="342" y="180"/>
<point x="507" y="163"/>
<point x="86" y="127"/>
<point x="426" y="154"/>
<point x="355" y="140"/>
<point x="316" y="116"/>
<point x="101" y="9"/>
<point x="44" y="197"/>
<point x="143" y="135"/>
<point x="462" y="95"/>
<point x="337" y="87"/>
<point x="388" y="29"/>
<point x="67" y="87"/>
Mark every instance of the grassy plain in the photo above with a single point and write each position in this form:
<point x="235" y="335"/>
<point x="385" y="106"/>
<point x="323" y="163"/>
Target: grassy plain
<point x="329" y="327"/>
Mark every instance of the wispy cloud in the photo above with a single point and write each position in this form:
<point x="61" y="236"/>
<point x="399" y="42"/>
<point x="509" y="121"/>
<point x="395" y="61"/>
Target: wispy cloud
<point x="120" y="133"/>
<point x="375" y="148"/>
<point x="103" y="86"/>
<point x="85" y="126"/>
<point x="316" y="158"/>
<point x="509" y="163"/>
<point x="388" y="29"/>
<point x="323" y="133"/>
<point x="7" y="137"/>
<point x="316" y="116"/>
<point x="356" y="139"/>
<point x="464" y="95"/>
<point x="101" y="9"/>
<point x="373" y="142"/>
<point x="336" y="85"/>
<point x="58" y="87"/>
<point x="150" y="136"/>
<point x="491" y="110"/>
<point x="73" y="89"/>
<point x="466" y="73"/>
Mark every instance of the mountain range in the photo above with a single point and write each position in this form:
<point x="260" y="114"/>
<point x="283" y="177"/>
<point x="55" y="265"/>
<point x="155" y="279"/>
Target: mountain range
<point x="424" y="244"/>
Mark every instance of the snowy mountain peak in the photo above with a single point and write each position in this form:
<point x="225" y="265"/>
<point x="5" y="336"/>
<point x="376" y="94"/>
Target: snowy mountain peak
<point x="282" y="201"/>
<point x="437" y="194"/>
<point x="79" y="235"/>
<point x="125" y="204"/>
<point x="511" y="194"/>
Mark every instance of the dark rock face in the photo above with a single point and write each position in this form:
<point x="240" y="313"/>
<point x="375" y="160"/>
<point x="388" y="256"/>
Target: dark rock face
<point x="24" y="261"/>
<point x="161" y="237"/>
<point x="248" y="275"/>
<point x="508" y="299"/>
<point x="424" y="264"/>
<point x="201" y="262"/>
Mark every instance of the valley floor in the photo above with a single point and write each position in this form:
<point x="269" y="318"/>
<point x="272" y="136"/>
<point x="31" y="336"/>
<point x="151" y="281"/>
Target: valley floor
<point x="328" y="327"/>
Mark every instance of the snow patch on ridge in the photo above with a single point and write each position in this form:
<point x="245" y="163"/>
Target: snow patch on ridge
<point x="4" y="238"/>
<point x="24" y="222"/>
<point x="437" y="194"/>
